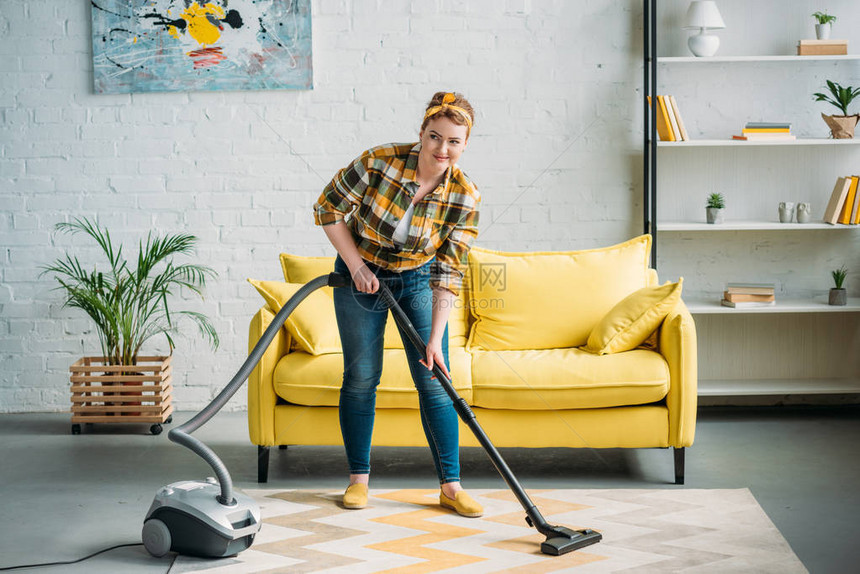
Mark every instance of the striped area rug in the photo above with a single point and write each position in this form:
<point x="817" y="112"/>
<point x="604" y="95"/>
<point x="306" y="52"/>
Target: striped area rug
<point x="405" y="531"/>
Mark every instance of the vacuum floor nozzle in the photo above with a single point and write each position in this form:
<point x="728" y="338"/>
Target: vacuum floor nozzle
<point x="566" y="540"/>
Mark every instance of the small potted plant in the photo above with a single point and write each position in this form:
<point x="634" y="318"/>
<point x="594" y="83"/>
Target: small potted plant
<point x="822" y="28"/>
<point x="838" y="294"/>
<point x="714" y="208"/>
<point x="128" y="307"/>
<point x="841" y="126"/>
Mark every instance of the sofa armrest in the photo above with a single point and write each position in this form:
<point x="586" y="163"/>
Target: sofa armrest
<point x="678" y="346"/>
<point x="261" y="391"/>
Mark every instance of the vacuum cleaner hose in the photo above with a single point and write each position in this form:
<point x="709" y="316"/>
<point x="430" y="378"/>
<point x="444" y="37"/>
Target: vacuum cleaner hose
<point x="182" y="434"/>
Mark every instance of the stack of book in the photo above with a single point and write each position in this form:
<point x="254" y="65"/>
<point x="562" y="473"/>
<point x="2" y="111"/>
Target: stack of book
<point x="741" y="295"/>
<point x="822" y="47"/>
<point x="766" y="131"/>
<point x="844" y="205"/>
<point x="670" y="127"/>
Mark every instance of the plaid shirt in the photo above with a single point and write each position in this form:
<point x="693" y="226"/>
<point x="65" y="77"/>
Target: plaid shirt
<point x="372" y="194"/>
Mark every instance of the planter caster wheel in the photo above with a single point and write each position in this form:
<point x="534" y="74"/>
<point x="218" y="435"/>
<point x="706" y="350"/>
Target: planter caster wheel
<point x="169" y="420"/>
<point x="76" y="429"/>
<point x="155" y="429"/>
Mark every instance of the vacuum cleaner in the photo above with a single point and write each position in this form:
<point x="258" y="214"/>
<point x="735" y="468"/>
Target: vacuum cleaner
<point x="207" y="519"/>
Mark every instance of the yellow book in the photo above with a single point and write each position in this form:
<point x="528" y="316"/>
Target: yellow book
<point x="847" y="209"/>
<point x="663" y="110"/>
<point x="681" y="127"/>
<point x="855" y="213"/>
<point x="663" y="129"/>
<point x="670" y="110"/>
<point x="837" y="200"/>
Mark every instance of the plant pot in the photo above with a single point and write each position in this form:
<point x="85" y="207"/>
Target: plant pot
<point x="841" y="127"/>
<point x="103" y="393"/>
<point x="822" y="31"/>
<point x="838" y="296"/>
<point x="714" y="214"/>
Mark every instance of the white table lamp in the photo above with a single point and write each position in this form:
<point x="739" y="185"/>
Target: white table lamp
<point x="703" y="16"/>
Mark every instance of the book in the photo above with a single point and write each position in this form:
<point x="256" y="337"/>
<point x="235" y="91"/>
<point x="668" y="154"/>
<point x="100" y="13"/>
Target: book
<point x="768" y="126"/>
<point x="822" y="47"/>
<point x="663" y="128"/>
<point x="848" y="206"/>
<point x="747" y="298"/>
<point x="746" y="304"/>
<point x="855" y="211"/>
<point x="766" y="130"/>
<point x="751" y="288"/>
<point x="673" y="120"/>
<point x="837" y="200"/>
<point x="663" y="112"/>
<point x="684" y="135"/>
<point x="765" y="137"/>
<point x="823" y="42"/>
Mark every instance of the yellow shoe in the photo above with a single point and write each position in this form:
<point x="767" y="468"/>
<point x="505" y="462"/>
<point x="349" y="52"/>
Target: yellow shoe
<point x="355" y="496"/>
<point x="463" y="504"/>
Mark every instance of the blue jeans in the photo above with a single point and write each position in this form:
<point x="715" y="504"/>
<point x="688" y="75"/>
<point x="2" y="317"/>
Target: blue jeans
<point x="361" y="319"/>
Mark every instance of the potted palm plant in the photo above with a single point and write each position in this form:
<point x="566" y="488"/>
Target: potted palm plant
<point x="714" y="208"/>
<point x="129" y="306"/>
<point x="838" y="294"/>
<point x="841" y="126"/>
<point x="822" y="28"/>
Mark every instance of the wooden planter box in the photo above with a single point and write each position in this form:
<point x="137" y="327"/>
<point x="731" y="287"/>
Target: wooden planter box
<point x="103" y="393"/>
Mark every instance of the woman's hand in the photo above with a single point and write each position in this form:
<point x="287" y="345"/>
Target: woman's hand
<point x="434" y="356"/>
<point x="364" y="279"/>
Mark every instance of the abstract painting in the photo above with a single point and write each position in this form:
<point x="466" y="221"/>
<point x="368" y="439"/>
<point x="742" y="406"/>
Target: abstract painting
<point x="183" y="45"/>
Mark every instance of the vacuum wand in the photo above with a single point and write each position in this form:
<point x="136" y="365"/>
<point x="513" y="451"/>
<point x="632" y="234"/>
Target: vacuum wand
<point x="559" y="539"/>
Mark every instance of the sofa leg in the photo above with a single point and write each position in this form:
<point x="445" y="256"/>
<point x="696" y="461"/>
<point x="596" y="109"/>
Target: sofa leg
<point x="262" y="464"/>
<point x="679" y="465"/>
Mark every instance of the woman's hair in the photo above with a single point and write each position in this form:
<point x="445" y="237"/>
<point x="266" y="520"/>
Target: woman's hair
<point x="450" y="105"/>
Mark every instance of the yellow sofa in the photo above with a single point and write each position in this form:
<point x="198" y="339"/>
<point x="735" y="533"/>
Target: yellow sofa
<point x="547" y="348"/>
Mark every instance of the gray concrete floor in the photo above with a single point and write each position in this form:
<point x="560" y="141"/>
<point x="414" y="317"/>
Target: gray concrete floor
<point x="66" y="496"/>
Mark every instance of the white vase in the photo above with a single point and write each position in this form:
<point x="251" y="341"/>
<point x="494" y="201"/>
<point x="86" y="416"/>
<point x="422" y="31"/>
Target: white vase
<point x="703" y="45"/>
<point x="822" y="31"/>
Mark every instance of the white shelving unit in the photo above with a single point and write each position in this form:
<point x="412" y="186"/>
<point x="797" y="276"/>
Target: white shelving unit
<point x="751" y="226"/>
<point x="755" y="185"/>
<point x="743" y="143"/>
<point x="768" y="387"/>
<point x="724" y="59"/>
<point x="815" y="305"/>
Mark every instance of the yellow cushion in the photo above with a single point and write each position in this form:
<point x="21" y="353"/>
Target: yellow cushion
<point x="312" y="324"/>
<point x="303" y="379"/>
<point x="557" y="379"/>
<point x="548" y="300"/>
<point x="301" y="269"/>
<point x="634" y="319"/>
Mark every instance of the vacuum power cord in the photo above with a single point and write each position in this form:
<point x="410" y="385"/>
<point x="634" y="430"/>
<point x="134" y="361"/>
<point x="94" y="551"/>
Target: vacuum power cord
<point x="94" y="554"/>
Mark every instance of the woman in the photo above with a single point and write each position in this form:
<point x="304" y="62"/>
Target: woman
<point x="404" y="214"/>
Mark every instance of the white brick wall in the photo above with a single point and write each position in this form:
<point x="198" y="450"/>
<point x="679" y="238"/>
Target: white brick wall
<point x="556" y="152"/>
<point x="241" y="169"/>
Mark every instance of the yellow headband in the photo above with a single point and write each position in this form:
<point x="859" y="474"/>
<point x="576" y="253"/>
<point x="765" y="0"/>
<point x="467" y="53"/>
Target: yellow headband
<point x="446" y="105"/>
